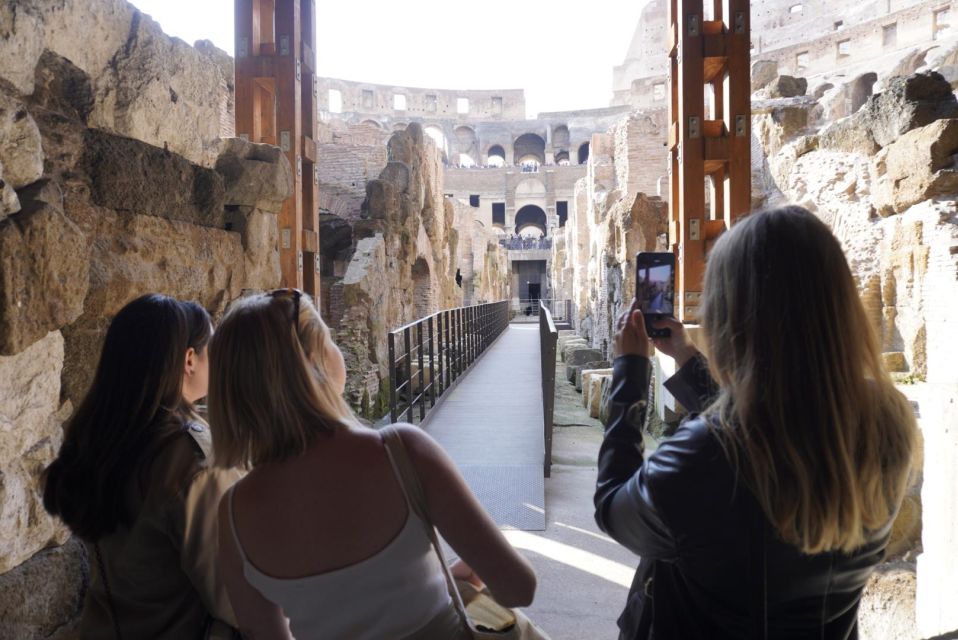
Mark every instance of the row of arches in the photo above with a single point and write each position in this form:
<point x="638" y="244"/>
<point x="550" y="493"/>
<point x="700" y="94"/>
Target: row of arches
<point x="529" y="148"/>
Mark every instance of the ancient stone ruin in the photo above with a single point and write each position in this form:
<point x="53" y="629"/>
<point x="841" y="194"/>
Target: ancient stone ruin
<point x="120" y="174"/>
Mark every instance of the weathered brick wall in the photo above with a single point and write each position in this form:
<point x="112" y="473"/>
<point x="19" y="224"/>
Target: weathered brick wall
<point x="353" y="156"/>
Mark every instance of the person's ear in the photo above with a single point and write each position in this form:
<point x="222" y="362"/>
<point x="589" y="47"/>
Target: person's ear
<point x="190" y="366"/>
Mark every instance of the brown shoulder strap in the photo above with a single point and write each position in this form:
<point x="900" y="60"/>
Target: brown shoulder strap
<point x="416" y="497"/>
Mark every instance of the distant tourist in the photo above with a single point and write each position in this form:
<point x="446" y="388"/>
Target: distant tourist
<point x="766" y="512"/>
<point x="133" y="480"/>
<point x="320" y="540"/>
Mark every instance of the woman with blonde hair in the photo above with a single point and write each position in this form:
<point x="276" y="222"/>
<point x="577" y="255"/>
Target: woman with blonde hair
<point x="319" y="540"/>
<point x="764" y="514"/>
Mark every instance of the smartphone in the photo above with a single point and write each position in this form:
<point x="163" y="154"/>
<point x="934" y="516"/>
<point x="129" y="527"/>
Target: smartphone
<point x="655" y="289"/>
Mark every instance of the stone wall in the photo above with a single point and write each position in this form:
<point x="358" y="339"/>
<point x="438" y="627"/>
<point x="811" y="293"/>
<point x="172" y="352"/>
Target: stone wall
<point x="885" y="179"/>
<point x="400" y="256"/>
<point x="611" y="219"/>
<point x="830" y="42"/>
<point x="115" y="183"/>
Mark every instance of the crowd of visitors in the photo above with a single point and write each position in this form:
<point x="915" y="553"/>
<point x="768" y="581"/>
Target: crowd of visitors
<point x="516" y="242"/>
<point x="279" y="515"/>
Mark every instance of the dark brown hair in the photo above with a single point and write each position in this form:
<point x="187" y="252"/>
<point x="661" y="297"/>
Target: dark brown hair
<point x="133" y="408"/>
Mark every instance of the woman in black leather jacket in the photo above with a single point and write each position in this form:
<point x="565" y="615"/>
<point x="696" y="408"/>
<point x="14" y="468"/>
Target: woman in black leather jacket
<point x="765" y="513"/>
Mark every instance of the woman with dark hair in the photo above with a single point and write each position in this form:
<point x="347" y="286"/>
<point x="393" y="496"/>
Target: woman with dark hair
<point x="133" y="478"/>
<point x="766" y="512"/>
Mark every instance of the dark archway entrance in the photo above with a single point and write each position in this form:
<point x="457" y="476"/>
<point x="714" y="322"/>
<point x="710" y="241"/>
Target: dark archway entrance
<point x="529" y="148"/>
<point x="531" y="216"/>
<point x="584" y="153"/>
<point x="496" y="156"/>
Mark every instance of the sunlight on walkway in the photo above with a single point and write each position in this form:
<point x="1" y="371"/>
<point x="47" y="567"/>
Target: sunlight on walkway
<point x="591" y="563"/>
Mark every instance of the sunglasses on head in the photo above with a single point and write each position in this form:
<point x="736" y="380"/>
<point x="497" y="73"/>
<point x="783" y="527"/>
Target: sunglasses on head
<point x="295" y="294"/>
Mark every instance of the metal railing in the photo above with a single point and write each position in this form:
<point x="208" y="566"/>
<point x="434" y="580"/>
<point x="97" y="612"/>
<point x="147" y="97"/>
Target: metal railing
<point x="548" y="340"/>
<point x="428" y="356"/>
<point x="529" y="310"/>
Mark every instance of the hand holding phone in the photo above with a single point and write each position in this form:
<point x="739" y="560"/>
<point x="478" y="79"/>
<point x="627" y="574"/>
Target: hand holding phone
<point x="655" y="289"/>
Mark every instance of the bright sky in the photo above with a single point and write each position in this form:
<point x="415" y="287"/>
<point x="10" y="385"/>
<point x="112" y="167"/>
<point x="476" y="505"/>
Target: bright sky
<point x="561" y="53"/>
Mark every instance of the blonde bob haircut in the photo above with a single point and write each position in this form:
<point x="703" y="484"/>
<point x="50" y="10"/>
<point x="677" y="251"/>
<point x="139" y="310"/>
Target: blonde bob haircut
<point x="807" y="410"/>
<point x="269" y="393"/>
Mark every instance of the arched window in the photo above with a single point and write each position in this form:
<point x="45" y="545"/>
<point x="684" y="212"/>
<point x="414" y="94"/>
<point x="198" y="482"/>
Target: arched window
<point x="530" y="219"/>
<point x="529" y="147"/>
<point x="496" y="156"/>
<point x="584" y="153"/>
<point x="439" y="138"/>
<point x="467" y="146"/>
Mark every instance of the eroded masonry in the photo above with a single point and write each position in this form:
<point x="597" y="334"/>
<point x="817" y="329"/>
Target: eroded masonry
<point x="120" y="174"/>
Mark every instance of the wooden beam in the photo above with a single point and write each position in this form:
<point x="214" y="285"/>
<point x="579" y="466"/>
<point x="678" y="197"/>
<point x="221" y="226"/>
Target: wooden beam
<point x="275" y="104"/>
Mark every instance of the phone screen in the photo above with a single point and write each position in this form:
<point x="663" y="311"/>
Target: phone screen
<point x="656" y="288"/>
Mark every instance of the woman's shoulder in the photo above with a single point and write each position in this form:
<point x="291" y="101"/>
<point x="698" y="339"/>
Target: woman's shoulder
<point x="696" y="440"/>
<point x="692" y="456"/>
<point x="180" y="459"/>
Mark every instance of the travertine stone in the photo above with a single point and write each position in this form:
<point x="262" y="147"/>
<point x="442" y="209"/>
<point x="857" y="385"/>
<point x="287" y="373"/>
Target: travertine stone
<point x="909" y="103"/>
<point x="920" y="165"/>
<point x="763" y="73"/>
<point x="9" y="203"/>
<point x="777" y="124"/>
<point x="30" y="435"/>
<point x="254" y="175"/>
<point x="43" y="597"/>
<point x="132" y="176"/>
<point x="887" y="609"/>
<point x="21" y="43"/>
<point x="160" y="90"/>
<point x="132" y="255"/>
<point x="61" y="88"/>
<point x="89" y="34"/>
<point x="21" y="152"/>
<point x="260" y="236"/>
<point x="596" y="383"/>
<point x="787" y="87"/>
<point x="579" y="357"/>
<point x="44" y="270"/>
<point x="895" y="361"/>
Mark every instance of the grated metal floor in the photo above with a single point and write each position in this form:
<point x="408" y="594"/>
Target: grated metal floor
<point x="491" y="426"/>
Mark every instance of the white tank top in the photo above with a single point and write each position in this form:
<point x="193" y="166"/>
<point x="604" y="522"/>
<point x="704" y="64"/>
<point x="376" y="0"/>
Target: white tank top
<point x="392" y="594"/>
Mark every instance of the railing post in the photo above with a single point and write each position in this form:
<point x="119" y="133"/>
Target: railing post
<point x="421" y="396"/>
<point x="432" y="365"/>
<point x="393" y="409"/>
<point x="447" y="346"/>
<point x="408" y="343"/>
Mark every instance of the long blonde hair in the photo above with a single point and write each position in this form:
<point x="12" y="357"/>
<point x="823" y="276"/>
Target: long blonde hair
<point x="806" y="404"/>
<point x="269" y="392"/>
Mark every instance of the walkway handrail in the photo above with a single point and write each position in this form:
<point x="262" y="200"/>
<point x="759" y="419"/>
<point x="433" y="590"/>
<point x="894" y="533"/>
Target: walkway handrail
<point x="446" y="344"/>
<point x="548" y="341"/>
<point x="528" y="310"/>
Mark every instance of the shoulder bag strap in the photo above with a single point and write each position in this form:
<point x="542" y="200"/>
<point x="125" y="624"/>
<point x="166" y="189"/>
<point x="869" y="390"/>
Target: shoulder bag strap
<point x="416" y="497"/>
<point x="109" y="593"/>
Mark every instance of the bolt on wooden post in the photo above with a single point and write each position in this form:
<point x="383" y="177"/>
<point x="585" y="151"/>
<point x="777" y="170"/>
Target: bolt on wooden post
<point x="709" y="134"/>
<point x="276" y="104"/>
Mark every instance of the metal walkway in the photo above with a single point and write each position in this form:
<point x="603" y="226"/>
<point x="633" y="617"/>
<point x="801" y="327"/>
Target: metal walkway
<point x="491" y="426"/>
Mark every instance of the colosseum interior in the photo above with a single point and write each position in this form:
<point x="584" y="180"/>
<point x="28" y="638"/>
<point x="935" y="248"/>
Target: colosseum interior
<point x="854" y="116"/>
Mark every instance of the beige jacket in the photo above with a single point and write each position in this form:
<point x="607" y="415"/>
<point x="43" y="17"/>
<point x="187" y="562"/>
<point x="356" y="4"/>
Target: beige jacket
<point x="161" y="569"/>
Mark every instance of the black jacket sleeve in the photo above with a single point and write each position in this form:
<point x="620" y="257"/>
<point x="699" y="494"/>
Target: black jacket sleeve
<point x="692" y="385"/>
<point x="627" y="483"/>
<point x="622" y="509"/>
